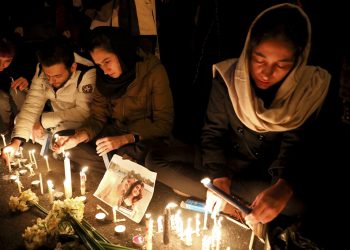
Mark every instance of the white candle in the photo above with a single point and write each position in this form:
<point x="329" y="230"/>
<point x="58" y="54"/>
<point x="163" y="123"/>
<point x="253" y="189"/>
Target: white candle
<point x="198" y="223"/>
<point x="4" y="140"/>
<point x="30" y="156"/>
<point x="67" y="190"/>
<point x="83" y="180"/>
<point x="114" y="210"/>
<point x="19" y="185"/>
<point x="41" y="184"/>
<point x="160" y="224"/>
<point x="21" y="151"/>
<point x="67" y="172"/>
<point x="188" y="233"/>
<point x="50" y="187"/>
<point x="149" y="235"/>
<point x="47" y="163"/>
<point x="205" y="218"/>
<point x="34" y="159"/>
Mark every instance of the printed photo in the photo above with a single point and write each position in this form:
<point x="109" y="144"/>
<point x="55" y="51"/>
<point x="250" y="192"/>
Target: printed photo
<point x="127" y="186"/>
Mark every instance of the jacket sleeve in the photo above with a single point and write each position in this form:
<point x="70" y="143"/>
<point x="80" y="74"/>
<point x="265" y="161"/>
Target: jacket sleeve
<point x="293" y="154"/>
<point x="31" y="109"/>
<point x="81" y="111"/>
<point x="161" y="122"/>
<point x="214" y="132"/>
<point x="98" y="118"/>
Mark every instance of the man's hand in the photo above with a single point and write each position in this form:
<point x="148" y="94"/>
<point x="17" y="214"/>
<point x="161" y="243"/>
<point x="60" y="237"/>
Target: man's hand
<point x="20" y="83"/>
<point x="269" y="203"/>
<point x="38" y="131"/>
<point x="8" y="152"/>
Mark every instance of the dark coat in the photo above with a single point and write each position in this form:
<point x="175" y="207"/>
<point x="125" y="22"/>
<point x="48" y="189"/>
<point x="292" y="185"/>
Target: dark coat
<point x="230" y="148"/>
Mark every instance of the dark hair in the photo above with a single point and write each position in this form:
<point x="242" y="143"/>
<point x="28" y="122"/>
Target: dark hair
<point x="7" y="47"/>
<point x="132" y="186"/>
<point x="115" y="40"/>
<point x="286" y="24"/>
<point x="56" y="50"/>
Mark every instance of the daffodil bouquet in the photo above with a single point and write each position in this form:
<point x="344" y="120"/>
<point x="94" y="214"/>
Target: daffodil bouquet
<point x="65" y="218"/>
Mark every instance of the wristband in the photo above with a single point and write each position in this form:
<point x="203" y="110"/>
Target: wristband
<point x="136" y="138"/>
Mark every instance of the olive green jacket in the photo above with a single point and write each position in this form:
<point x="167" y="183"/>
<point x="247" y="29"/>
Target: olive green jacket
<point x="145" y="109"/>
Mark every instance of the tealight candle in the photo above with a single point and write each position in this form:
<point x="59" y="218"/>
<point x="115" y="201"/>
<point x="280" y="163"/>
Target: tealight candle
<point x="120" y="229"/>
<point x="57" y="195"/>
<point x="23" y="171"/>
<point x="100" y="216"/>
<point x="82" y="198"/>
<point x="138" y="240"/>
<point x="13" y="178"/>
<point x="35" y="183"/>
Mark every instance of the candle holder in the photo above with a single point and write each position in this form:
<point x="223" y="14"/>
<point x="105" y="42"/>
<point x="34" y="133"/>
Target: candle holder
<point x="100" y="216"/>
<point x="22" y="171"/>
<point x="120" y="229"/>
<point x="35" y="183"/>
<point x="82" y="198"/>
<point x="13" y="178"/>
<point x="57" y="195"/>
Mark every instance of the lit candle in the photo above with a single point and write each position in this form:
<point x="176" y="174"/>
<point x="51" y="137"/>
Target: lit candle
<point x="149" y="244"/>
<point x="119" y="229"/>
<point x="205" y="218"/>
<point x="177" y="222"/>
<point x="100" y="216"/>
<point x="188" y="233"/>
<point x="34" y="159"/>
<point x="4" y="140"/>
<point x="50" y="188"/>
<point x="83" y="180"/>
<point x="21" y="152"/>
<point x="41" y="184"/>
<point x="114" y="210"/>
<point x="47" y="163"/>
<point x="67" y="189"/>
<point x="160" y="224"/>
<point x="198" y="223"/>
<point x="68" y="177"/>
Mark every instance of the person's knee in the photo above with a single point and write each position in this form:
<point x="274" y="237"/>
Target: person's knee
<point x="156" y="159"/>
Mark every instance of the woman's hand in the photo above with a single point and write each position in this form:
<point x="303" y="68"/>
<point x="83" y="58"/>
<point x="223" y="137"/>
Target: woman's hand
<point x="20" y="83"/>
<point x="68" y="142"/>
<point x="269" y="203"/>
<point x="214" y="203"/>
<point x="110" y="143"/>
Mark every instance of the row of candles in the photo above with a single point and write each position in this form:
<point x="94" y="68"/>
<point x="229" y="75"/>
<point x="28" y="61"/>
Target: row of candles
<point x="165" y="224"/>
<point x="67" y="182"/>
<point x="170" y="222"/>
